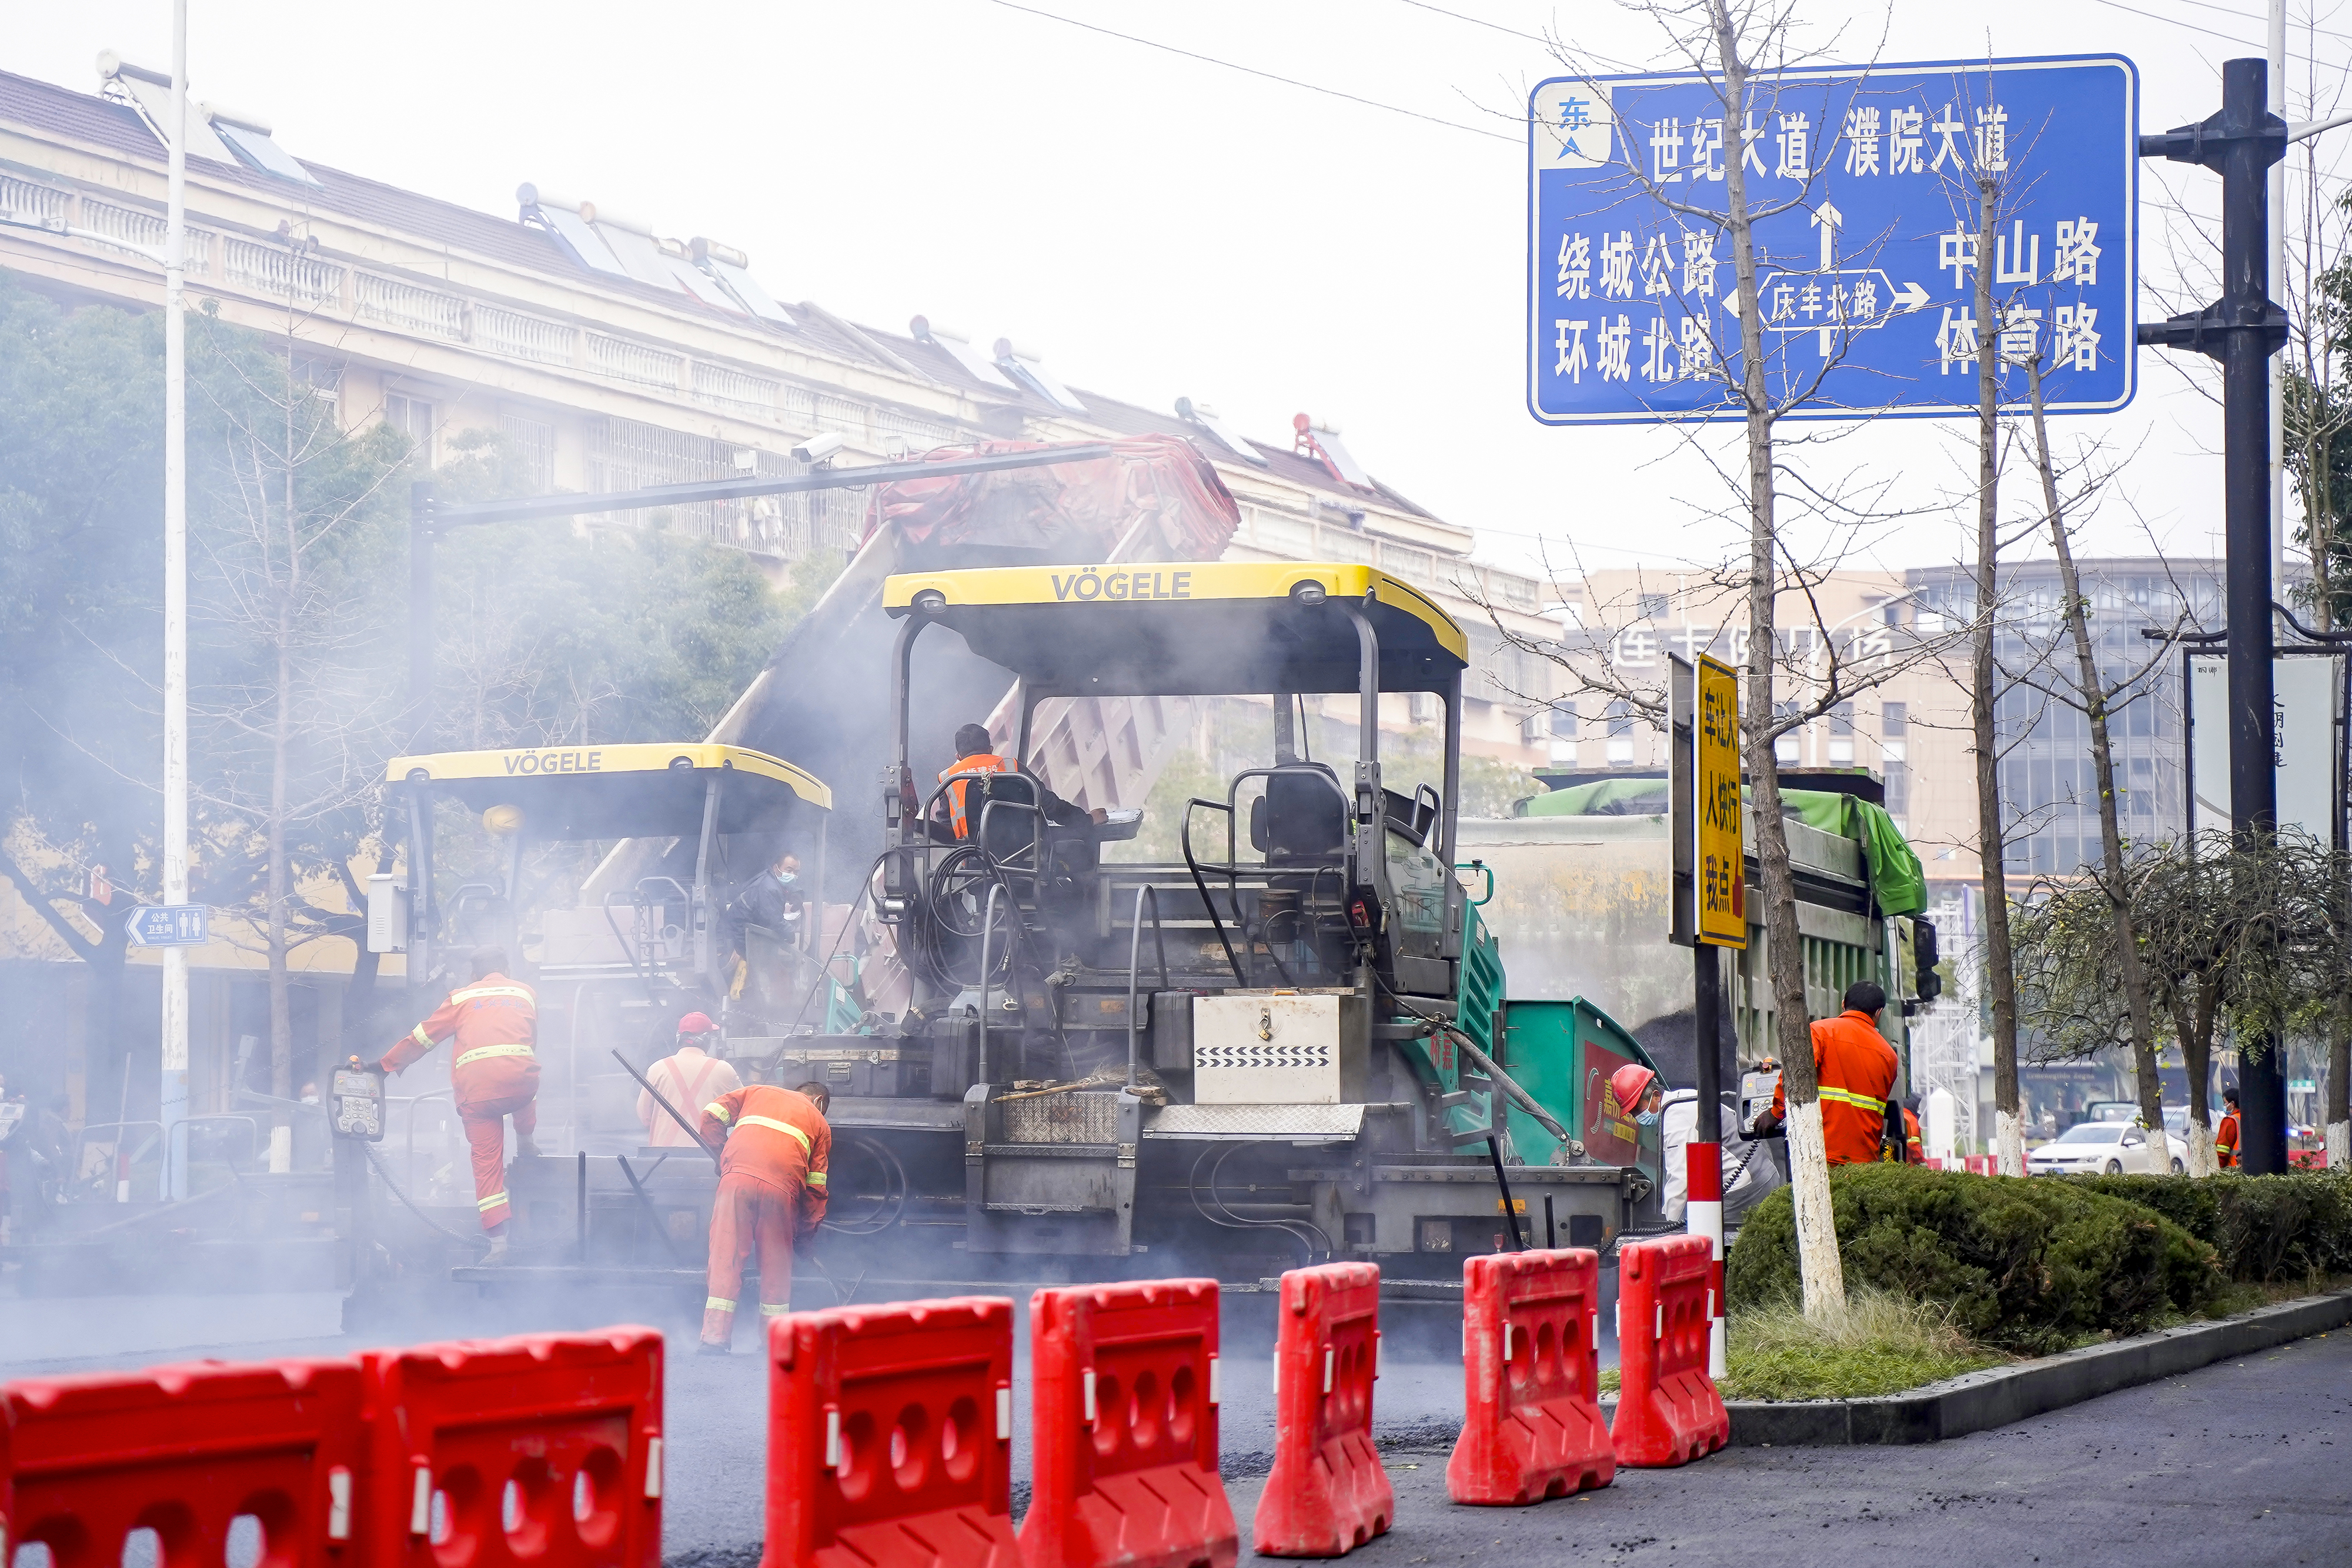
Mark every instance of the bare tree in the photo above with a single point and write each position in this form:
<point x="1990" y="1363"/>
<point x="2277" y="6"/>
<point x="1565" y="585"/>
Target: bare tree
<point x="2097" y="697"/>
<point x="293" y="704"/>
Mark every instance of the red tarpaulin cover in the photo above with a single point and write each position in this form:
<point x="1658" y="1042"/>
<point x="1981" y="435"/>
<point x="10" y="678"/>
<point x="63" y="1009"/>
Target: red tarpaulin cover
<point x="1079" y="510"/>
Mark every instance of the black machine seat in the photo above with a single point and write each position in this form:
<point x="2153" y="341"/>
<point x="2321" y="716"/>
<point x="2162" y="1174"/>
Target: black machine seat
<point x="1302" y="816"/>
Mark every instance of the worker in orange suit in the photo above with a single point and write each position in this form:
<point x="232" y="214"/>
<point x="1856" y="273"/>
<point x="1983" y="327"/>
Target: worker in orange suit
<point x="1915" y="1148"/>
<point x="492" y="1022"/>
<point x="2226" y="1136"/>
<point x="975" y="760"/>
<point x="1856" y="1069"/>
<point x="771" y="1192"/>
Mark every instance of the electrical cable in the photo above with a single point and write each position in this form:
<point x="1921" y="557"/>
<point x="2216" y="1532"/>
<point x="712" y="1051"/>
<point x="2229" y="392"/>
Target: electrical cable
<point x="376" y="1160"/>
<point x="1252" y="70"/>
<point x="1233" y="1222"/>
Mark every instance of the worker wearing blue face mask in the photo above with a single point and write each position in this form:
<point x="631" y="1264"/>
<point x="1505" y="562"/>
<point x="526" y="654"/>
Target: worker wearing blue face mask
<point x="1638" y="1091"/>
<point x="774" y="899"/>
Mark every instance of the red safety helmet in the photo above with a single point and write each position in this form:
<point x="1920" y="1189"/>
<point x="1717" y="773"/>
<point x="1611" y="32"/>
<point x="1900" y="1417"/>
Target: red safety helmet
<point x="695" y="1023"/>
<point x="1629" y="1083"/>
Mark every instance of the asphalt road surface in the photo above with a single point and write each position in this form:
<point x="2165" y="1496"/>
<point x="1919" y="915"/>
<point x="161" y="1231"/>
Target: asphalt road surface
<point x="2243" y="1462"/>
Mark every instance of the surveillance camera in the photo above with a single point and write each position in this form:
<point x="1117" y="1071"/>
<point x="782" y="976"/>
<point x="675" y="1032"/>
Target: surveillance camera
<point x="820" y="448"/>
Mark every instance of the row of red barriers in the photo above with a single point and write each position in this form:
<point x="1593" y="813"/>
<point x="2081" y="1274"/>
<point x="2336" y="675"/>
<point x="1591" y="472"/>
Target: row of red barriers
<point x="541" y="1449"/>
<point x="885" y="1455"/>
<point x="892" y="1434"/>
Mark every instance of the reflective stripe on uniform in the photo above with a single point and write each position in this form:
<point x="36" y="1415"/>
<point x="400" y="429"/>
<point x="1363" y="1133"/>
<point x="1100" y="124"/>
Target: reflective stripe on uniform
<point x="715" y="1108"/>
<point x="478" y="993"/>
<point x="806" y="1146"/>
<point x="496" y="1200"/>
<point x="484" y="1052"/>
<point x="420" y="1037"/>
<point x="816" y="1179"/>
<point x="768" y="1311"/>
<point x="1860" y="1101"/>
<point x="718" y="1304"/>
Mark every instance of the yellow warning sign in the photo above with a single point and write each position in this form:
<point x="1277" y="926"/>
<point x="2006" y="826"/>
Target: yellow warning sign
<point x="1718" y="862"/>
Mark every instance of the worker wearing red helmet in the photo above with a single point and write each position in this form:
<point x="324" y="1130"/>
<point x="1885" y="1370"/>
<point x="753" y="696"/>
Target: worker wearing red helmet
<point x="492" y="1024"/>
<point x="1639" y="1094"/>
<point x="1856" y="1070"/>
<point x="688" y="1078"/>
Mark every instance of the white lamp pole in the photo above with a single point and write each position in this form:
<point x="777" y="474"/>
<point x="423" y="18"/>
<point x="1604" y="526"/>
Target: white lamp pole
<point x="175" y="1087"/>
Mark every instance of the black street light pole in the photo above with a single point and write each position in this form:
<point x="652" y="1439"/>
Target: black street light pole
<point x="2242" y="330"/>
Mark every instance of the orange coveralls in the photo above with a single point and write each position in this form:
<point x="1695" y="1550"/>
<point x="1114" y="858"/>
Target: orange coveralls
<point x="1857" y="1069"/>
<point x="771" y="1189"/>
<point x="2225" y="1143"/>
<point x="492" y="1025"/>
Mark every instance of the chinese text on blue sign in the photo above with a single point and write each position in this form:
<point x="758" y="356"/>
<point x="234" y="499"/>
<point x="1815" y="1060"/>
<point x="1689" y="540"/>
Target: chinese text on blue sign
<point x="1864" y="185"/>
<point x="168" y="925"/>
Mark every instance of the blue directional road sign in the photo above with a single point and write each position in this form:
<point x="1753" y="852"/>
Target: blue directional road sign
<point x="1864" y="187"/>
<point x="168" y="925"/>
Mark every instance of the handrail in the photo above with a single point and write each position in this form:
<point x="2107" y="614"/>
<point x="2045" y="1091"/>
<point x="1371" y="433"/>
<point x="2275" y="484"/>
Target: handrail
<point x="987" y="928"/>
<point x="1135" y="965"/>
<point x="1184" y="840"/>
<point x="1481" y="866"/>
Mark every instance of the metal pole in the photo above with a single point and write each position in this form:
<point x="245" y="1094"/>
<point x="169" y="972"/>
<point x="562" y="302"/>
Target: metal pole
<point x="173" y="1088"/>
<point x="2246" y="506"/>
<point x="2244" y="329"/>
<point x="1703" y="1155"/>
<point x="2276" y="221"/>
<point x="423" y="533"/>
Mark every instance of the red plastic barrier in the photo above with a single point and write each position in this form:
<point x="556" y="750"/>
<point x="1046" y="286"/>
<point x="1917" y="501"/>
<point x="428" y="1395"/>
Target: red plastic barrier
<point x="1669" y="1412"/>
<point x="542" y="1449"/>
<point x="184" y="1451"/>
<point x="1125" y="1391"/>
<point x="1531" y="1374"/>
<point x="890" y="1437"/>
<point x="1328" y="1494"/>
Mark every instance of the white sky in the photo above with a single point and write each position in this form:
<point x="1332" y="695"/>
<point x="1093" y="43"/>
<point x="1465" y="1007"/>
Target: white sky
<point x="1155" y="225"/>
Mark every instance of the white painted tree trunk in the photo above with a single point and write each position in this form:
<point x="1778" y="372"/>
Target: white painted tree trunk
<point x="2340" y="1145"/>
<point x="2202" y="1162"/>
<point x="1817" y="1245"/>
<point x="2158" y="1160"/>
<point x="2009" y="1142"/>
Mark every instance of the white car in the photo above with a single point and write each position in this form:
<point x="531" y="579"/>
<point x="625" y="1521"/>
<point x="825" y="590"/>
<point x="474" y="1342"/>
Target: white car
<point x="2091" y="1148"/>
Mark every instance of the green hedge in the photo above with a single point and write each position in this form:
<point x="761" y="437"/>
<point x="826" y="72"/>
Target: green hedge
<point x="2027" y="1265"/>
<point x="2263" y="1228"/>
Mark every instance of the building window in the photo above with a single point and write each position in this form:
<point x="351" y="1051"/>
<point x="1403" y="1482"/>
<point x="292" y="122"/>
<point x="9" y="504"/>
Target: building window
<point x="412" y="417"/>
<point x="1619" y="718"/>
<point x="530" y="447"/>
<point x="1842" y="735"/>
<point x="1652" y="606"/>
<point x="1563" y="735"/>
<point x="1785" y="748"/>
<point x="1898" y="791"/>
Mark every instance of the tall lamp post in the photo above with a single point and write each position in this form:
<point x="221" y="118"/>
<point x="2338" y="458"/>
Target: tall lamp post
<point x="2244" y="329"/>
<point x="173" y="1105"/>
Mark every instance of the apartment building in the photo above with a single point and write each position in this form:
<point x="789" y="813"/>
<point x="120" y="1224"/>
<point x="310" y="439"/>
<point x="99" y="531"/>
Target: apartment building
<point x="1901" y="637"/>
<point x="612" y="355"/>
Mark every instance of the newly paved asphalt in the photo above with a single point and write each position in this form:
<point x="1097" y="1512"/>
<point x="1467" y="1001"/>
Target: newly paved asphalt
<point x="2245" y="1461"/>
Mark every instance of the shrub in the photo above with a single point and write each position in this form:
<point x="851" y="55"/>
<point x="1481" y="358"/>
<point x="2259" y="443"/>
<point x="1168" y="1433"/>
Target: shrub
<point x="2263" y="1228"/>
<point x="2026" y="1265"/>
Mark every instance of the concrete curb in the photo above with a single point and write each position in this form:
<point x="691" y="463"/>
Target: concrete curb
<point x="1999" y="1395"/>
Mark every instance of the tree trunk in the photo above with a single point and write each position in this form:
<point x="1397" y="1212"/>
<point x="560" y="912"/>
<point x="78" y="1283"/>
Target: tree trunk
<point x="2093" y="685"/>
<point x="2339" y="1085"/>
<point x="2193" y="1022"/>
<point x="1999" y="966"/>
<point x="1818" y="1266"/>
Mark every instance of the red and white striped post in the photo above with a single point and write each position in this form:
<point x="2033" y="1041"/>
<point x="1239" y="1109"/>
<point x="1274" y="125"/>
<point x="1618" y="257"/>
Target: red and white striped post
<point x="1703" y="1215"/>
